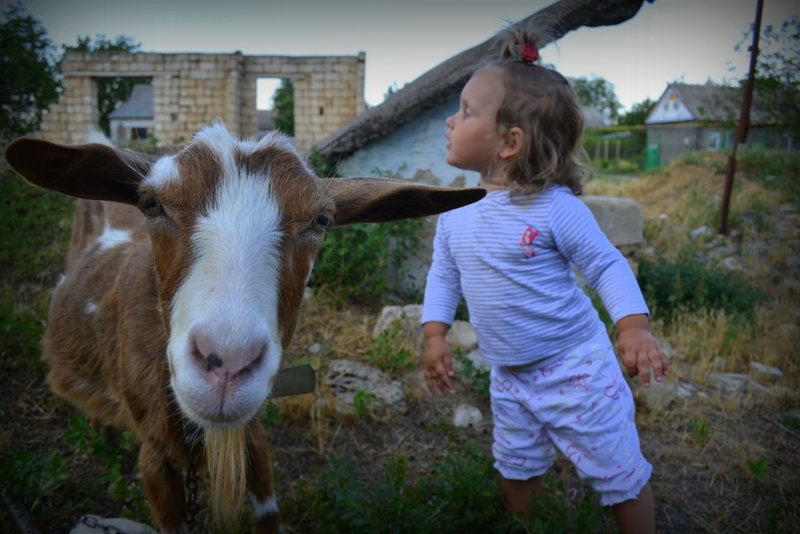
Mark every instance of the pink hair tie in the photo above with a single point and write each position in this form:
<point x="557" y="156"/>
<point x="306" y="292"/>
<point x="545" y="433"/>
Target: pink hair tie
<point x="530" y="53"/>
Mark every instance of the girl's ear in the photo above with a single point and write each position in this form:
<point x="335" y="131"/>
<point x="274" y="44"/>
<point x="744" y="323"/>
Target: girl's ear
<point x="513" y="143"/>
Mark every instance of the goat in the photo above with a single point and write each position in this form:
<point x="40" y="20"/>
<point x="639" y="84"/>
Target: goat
<point x="184" y="278"/>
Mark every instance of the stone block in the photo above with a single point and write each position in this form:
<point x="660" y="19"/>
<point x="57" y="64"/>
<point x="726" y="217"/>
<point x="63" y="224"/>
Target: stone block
<point x="620" y="219"/>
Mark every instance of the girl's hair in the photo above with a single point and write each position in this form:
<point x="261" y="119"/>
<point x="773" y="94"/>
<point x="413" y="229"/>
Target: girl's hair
<point x="542" y="103"/>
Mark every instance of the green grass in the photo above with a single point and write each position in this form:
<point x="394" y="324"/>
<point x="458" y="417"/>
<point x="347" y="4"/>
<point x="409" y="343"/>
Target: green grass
<point x="458" y="495"/>
<point x="34" y="230"/>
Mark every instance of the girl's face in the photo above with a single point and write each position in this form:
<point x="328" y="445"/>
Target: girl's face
<point x="472" y="136"/>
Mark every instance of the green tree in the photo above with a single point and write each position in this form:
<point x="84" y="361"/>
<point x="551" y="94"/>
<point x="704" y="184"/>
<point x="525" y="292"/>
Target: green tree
<point x="29" y="80"/>
<point x="283" y="107"/>
<point x="777" y="85"/>
<point x="111" y="92"/>
<point x="597" y="92"/>
<point x="637" y="114"/>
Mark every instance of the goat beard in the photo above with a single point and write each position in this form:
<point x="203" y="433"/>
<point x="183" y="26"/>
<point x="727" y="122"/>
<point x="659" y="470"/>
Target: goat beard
<point x="227" y="461"/>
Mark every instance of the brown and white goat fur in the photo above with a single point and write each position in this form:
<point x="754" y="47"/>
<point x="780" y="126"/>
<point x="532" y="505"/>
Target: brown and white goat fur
<point x="181" y="292"/>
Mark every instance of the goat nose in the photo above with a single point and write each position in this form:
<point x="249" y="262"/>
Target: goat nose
<point x="230" y="359"/>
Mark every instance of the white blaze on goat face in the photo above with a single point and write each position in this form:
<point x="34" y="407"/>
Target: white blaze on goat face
<point x="223" y="293"/>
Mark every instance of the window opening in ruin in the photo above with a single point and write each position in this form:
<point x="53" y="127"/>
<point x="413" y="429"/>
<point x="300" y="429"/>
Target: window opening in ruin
<point x="126" y="110"/>
<point x="275" y="105"/>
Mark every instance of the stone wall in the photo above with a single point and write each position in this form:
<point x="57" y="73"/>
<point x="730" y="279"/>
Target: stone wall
<point x="190" y="90"/>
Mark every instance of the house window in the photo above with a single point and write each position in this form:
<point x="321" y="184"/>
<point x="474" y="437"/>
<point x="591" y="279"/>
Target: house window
<point x="139" y="134"/>
<point x="714" y="140"/>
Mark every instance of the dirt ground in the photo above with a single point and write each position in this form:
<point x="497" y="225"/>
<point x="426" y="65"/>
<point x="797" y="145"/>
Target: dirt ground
<point x="699" y="487"/>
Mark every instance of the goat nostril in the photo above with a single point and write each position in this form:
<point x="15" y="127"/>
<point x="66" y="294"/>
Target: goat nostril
<point x="214" y="360"/>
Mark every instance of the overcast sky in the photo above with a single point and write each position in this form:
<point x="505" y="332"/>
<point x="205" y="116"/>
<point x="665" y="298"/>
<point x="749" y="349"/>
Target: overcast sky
<point x="669" y="40"/>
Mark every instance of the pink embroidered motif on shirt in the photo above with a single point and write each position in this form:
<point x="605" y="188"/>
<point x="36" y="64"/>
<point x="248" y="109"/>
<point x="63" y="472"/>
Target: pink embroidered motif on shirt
<point x="526" y="242"/>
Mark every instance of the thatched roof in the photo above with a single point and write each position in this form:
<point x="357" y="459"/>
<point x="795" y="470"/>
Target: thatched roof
<point x="443" y="82"/>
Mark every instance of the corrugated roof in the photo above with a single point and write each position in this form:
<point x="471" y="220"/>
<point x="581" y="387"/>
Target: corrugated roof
<point x="138" y="106"/>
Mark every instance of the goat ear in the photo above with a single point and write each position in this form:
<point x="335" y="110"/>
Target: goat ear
<point x="360" y="200"/>
<point x="90" y="171"/>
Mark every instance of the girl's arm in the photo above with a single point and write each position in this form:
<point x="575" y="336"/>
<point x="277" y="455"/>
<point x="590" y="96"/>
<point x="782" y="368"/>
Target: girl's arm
<point x="438" y="358"/>
<point x="639" y="350"/>
<point x="442" y="294"/>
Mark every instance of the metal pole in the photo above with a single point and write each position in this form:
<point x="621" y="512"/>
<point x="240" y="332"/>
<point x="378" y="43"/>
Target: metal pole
<point x="744" y="122"/>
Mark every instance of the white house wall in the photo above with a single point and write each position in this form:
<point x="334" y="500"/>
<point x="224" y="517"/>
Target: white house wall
<point x="670" y="109"/>
<point x="415" y="152"/>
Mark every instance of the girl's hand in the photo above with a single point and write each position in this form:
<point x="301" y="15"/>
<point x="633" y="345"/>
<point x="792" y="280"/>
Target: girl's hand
<point x="639" y="350"/>
<point x="438" y="359"/>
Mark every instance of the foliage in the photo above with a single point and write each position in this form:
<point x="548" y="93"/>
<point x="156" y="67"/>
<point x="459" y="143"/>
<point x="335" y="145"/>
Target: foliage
<point x="688" y="285"/>
<point x="599" y="93"/>
<point x="34" y="213"/>
<point x="362" y="402"/>
<point x="30" y="477"/>
<point x="701" y="430"/>
<point x="777" y="82"/>
<point x="111" y="92"/>
<point x="479" y="379"/>
<point x="283" y="107"/>
<point x="637" y="114"/>
<point x="759" y="470"/>
<point x="34" y="229"/>
<point x="387" y="352"/>
<point x="118" y="455"/>
<point x="355" y="260"/>
<point x="29" y="78"/>
<point x="775" y="169"/>
<point x="271" y="416"/>
<point x="458" y="495"/>
<point x="629" y="144"/>
<point x="319" y="162"/>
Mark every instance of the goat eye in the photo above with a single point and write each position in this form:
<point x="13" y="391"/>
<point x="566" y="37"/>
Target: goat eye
<point x="321" y="223"/>
<point x="151" y="206"/>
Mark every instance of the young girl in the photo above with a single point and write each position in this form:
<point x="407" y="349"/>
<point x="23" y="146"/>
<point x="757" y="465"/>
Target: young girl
<point x="555" y="380"/>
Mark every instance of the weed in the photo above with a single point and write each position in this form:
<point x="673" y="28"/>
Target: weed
<point x="478" y="379"/>
<point x="459" y="495"/>
<point x="387" y="353"/>
<point x="775" y="169"/>
<point x="759" y="470"/>
<point x="30" y="477"/>
<point x="29" y="217"/>
<point x="362" y="402"/>
<point x="117" y="456"/>
<point x="271" y="415"/>
<point x="688" y="285"/>
<point x="701" y="430"/>
<point x="355" y="260"/>
<point x="20" y="332"/>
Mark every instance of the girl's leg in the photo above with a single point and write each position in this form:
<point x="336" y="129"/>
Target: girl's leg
<point x="636" y="515"/>
<point x="517" y="494"/>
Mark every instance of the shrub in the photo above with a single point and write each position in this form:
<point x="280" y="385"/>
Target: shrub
<point x="688" y="285"/>
<point x="775" y="169"/>
<point x="356" y="260"/>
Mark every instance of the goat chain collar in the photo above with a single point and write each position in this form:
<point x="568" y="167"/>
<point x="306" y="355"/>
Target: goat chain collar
<point x="192" y="506"/>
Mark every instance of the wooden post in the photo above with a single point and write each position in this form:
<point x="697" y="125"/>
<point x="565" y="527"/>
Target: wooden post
<point x="744" y="122"/>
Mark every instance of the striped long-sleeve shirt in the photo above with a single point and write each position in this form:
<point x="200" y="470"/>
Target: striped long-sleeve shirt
<point x="511" y="262"/>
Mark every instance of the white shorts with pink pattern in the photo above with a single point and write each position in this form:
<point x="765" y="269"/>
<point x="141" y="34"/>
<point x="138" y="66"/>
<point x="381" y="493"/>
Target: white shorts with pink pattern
<point x="579" y="404"/>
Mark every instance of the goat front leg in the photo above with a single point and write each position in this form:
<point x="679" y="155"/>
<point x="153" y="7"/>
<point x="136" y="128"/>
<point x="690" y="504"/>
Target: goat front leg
<point x="259" y="481"/>
<point x="163" y="486"/>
